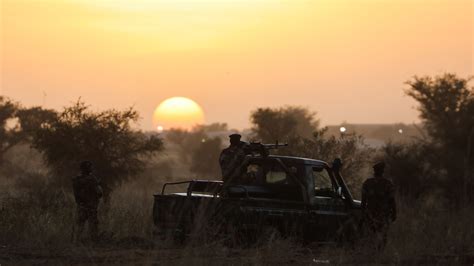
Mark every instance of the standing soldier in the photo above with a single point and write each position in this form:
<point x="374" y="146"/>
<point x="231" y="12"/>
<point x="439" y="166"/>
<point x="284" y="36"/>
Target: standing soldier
<point x="232" y="156"/>
<point x="87" y="193"/>
<point x="378" y="204"/>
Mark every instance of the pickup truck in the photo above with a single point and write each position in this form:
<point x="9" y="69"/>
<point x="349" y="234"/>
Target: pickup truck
<point x="293" y="196"/>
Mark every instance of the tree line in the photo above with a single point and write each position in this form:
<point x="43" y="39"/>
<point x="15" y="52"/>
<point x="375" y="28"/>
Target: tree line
<point x="441" y="162"/>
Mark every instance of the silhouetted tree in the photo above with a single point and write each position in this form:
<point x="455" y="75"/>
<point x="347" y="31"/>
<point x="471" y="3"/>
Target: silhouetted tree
<point x="205" y="159"/>
<point x="214" y="127"/>
<point x="282" y="124"/>
<point x="8" y="132"/>
<point x="186" y="142"/>
<point x="446" y="105"/>
<point x="198" y="149"/>
<point x="410" y="167"/>
<point x="355" y="154"/>
<point x="19" y="124"/>
<point x="34" y="118"/>
<point x="106" y="138"/>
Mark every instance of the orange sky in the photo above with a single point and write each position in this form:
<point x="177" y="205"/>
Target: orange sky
<point x="345" y="59"/>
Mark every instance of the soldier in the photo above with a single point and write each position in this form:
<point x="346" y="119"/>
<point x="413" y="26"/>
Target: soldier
<point x="87" y="193"/>
<point x="232" y="156"/>
<point x="378" y="204"/>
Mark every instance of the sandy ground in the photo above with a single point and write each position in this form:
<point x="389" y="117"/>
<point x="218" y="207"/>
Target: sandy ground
<point x="103" y="255"/>
<point x="138" y="256"/>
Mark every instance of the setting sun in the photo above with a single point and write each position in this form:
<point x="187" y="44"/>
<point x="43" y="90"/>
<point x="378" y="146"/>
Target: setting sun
<point x="177" y="112"/>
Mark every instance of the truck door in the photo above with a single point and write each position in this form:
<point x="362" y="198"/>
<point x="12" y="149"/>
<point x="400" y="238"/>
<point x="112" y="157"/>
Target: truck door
<point x="327" y="208"/>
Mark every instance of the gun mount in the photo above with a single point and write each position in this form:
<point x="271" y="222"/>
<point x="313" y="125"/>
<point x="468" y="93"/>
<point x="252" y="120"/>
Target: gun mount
<point x="258" y="148"/>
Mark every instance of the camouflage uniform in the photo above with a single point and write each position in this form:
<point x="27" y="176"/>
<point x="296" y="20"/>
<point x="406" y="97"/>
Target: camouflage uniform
<point x="232" y="156"/>
<point x="87" y="193"/>
<point x="378" y="204"/>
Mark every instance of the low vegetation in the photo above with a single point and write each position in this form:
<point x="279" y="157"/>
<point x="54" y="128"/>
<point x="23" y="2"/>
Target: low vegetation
<point x="39" y="223"/>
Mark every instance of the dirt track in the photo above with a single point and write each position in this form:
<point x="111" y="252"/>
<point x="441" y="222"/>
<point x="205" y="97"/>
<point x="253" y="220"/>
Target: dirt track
<point x="101" y="255"/>
<point x="109" y="256"/>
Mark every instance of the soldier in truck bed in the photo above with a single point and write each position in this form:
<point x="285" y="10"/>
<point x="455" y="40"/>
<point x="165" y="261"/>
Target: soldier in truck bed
<point x="378" y="205"/>
<point x="87" y="193"/>
<point x="232" y="156"/>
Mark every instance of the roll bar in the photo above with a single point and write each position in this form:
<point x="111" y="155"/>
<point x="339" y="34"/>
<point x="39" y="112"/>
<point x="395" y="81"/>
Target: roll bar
<point x="205" y="186"/>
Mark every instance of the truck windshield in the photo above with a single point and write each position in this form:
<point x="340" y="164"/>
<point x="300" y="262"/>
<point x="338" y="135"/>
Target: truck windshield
<point x="267" y="178"/>
<point x="276" y="175"/>
<point x="322" y="181"/>
<point x="261" y="173"/>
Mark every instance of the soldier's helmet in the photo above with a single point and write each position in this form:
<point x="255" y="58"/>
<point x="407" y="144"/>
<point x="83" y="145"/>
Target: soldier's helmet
<point x="235" y="138"/>
<point x="85" y="166"/>
<point x="379" y="167"/>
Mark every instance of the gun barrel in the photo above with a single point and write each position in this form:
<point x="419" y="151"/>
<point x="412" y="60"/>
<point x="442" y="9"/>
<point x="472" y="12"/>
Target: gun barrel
<point x="261" y="148"/>
<point x="274" y="146"/>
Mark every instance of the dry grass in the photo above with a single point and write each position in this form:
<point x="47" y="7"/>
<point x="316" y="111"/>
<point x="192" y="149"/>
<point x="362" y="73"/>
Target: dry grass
<point x="36" y="224"/>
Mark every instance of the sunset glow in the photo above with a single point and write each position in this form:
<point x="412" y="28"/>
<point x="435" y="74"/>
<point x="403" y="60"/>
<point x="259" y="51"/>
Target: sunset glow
<point x="233" y="56"/>
<point x="170" y="25"/>
<point x="177" y="112"/>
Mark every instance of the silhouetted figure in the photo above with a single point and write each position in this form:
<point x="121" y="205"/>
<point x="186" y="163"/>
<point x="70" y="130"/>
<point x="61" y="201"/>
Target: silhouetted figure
<point x="232" y="156"/>
<point x="378" y="205"/>
<point x="87" y="192"/>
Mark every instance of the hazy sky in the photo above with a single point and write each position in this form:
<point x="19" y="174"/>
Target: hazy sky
<point x="347" y="60"/>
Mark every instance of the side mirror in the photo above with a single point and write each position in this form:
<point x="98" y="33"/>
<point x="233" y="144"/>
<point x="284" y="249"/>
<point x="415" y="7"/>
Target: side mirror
<point x="339" y="191"/>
